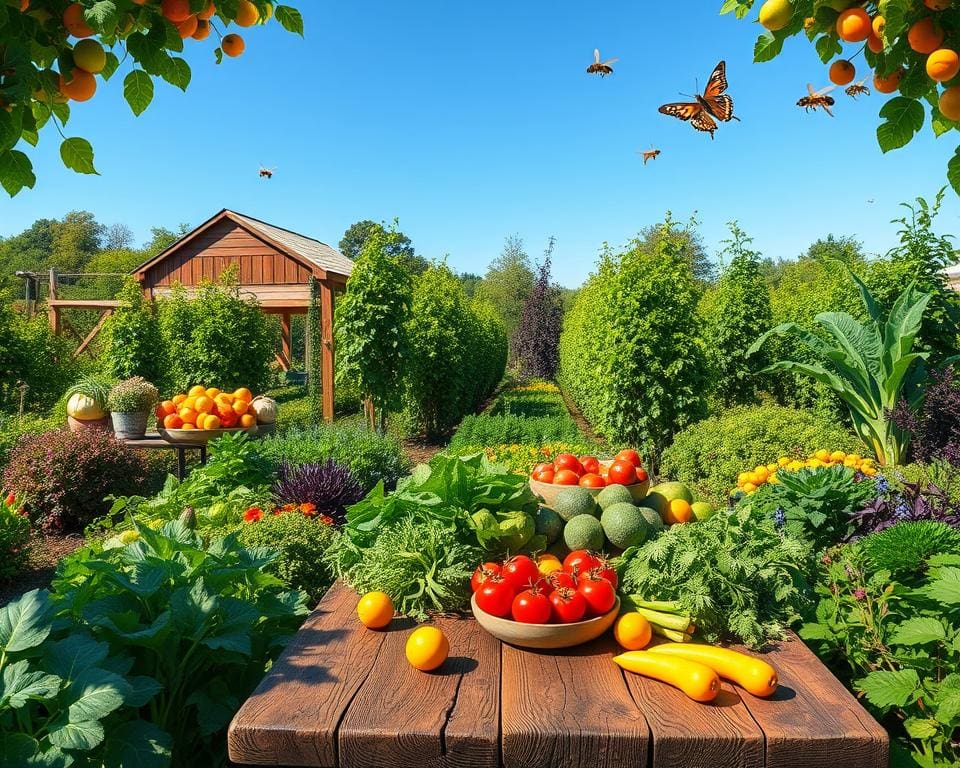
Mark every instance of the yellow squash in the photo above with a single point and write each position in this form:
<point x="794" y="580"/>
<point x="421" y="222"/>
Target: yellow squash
<point x="696" y="680"/>
<point x="750" y="673"/>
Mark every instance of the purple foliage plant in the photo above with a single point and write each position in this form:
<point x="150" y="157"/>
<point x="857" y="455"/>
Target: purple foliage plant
<point x="537" y="338"/>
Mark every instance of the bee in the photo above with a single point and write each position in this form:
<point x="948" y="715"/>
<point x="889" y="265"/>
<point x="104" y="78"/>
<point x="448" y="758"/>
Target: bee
<point x="649" y="154"/>
<point x="602" y="68"/>
<point x="857" y="89"/>
<point x="818" y="99"/>
<point x="266" y="173"/>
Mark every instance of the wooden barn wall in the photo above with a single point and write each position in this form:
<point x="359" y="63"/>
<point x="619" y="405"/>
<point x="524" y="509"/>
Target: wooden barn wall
<point x="212" y="251"/>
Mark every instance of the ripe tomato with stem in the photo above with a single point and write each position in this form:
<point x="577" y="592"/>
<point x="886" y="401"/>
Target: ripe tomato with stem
<point x="483" y="573"/>
<point x="520" y="572"/>
<point x="531" y="606"/>
<point x="495" y="597"/>
<point x="567" y="605"/>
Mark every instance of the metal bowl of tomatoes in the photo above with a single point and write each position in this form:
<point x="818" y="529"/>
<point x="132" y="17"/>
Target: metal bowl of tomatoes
<point x="566" y="470"/>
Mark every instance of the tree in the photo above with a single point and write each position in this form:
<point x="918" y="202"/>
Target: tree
<point x="35" y="37"/>
<point x="537" y="340"/>
<point x="371" y="324"/>
<point x="684" y="237"/>
<point x="117" y="237"/>
<point x="74" y="239"/>
<point x="356" y="236"/>
<point x="162" y="238"/>
<point x="469" y="281"/>
<point x="508" y="283"/>
<point x="134" y="345"/>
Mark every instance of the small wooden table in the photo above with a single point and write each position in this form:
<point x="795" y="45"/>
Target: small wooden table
<point x="153" y="442"/>
<point x="343" y="696"/>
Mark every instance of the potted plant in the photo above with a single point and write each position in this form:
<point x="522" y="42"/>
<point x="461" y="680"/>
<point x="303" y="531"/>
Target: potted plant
<point x="131" y="402"/>
<point x="87" y="405"/>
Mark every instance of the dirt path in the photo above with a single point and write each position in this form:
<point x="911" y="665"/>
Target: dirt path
<point x="582" y="424"/>
<point x="45" y="553"/>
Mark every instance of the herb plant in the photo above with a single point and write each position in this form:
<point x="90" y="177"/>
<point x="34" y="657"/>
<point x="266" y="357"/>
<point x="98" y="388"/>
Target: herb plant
<point x="133" y="395"/>
<point x="739" y="576"/>
<point x="905" y="502"/>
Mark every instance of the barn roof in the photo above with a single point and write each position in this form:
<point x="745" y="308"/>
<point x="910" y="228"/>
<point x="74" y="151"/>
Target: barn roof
<point x="306" y="250"/>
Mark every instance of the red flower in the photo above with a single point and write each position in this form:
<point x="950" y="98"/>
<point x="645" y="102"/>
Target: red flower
<point x="308" y="509"/>
<point x="253" y="515"/>
<point x="11" y="499"/>
<point x="326" y="519"/>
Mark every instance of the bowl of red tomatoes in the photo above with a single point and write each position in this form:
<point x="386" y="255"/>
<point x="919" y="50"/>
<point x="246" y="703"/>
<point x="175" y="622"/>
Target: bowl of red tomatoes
<point x="544" y="603"/>
<point x="626" y="468"/>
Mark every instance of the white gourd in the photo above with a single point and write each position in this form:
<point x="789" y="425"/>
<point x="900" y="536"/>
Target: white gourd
<point x="84" y="408"/>
<point x="265" y="408"/>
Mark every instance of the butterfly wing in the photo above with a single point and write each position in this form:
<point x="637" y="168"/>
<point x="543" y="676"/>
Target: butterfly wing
<point x="682" y="110"/>
<point x="715" y="99"/>
<point x="721" y="107"/>
<point x="703" y="122"/>
<point x="717" y="83"/>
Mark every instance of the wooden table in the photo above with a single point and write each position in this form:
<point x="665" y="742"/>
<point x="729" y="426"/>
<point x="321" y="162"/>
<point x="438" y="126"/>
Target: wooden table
<point x="342" y="696"/>
<point x="153" y="442"/>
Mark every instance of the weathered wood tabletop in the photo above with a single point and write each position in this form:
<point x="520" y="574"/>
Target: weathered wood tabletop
<point x="343" y="696"/>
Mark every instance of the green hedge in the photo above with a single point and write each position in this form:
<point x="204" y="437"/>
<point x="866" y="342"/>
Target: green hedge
<point x="709" y="455"/>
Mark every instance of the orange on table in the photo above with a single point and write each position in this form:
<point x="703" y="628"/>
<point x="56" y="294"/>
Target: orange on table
<point x="197" y="391"/>
<point x="228" y="418"/>
<point x="243" y="394"/>
<point x="172" y="421"/>
<point x="178" y="399"/>
<point x="204" y="405"/>
<point x="188" y="415"/>
<point x="190" y="402"/>
<point x="212" y="392"/>
<point x="678" y="511"/>
<point x="240" y="407"/>
<point x="165" y="408"/>
<point x="248" y="420"/>
<point x="209" y="422"/>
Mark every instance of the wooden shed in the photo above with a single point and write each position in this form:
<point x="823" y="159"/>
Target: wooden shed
<point x="275" y="265"/>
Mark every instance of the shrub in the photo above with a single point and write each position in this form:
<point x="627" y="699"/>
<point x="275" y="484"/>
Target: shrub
<point x="217" y="337"/>
<point x="301" y="543"/>
<point x="13" y="428"/>
<point x="505" y="429"/>
<point x="935" y="426"/>
<point x="711" y="454"/>
<point x="536" y="342"/>
<point x="327" y="486"/>
<point x="14" y="537"/>
<point x="135" y="395"/>
<point x="65" y="477"/>
<point x="133" y="344"/>
<point x="371" y="458"/>
<point x="629" y="352"/>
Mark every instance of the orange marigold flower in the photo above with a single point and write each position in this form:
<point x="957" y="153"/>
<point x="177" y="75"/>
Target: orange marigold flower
<point x="253" y="515"/>
<point x="326" y="519"/>
<point x="309" y="509"/>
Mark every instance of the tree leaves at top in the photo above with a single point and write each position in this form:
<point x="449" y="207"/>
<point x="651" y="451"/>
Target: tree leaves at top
<point x="903" y="118"/>
<point x="138" y="90"/>
<point x="77" y="155"/>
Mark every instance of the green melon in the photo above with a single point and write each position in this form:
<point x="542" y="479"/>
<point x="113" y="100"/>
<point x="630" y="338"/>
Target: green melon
<point x="614" y="494"/>
<point x="583" y="532"/>
<point x="660" y="495"/>
<point x="654" y="521"/>
<point x="575" y="501"/>
<point x="549" y="524"/>
<point x="624" y="525"/>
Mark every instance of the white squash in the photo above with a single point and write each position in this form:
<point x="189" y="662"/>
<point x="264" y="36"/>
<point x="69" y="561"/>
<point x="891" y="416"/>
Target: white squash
<point x="265" y="408"/>
<point x="84" y="408"/>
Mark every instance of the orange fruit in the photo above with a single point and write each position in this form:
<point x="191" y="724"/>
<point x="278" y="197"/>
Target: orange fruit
<point x="81" y="87"/>
<point x="190" y="402"/>
<point x="172" y="421"/>
<point x="937" y="5"/>
<point x="678" y="511"/>
<point x="842" y="72"/>
<point x="879" y="24"/>
<point x="925" y="36"/>
<point x="212" y="392"/>
<point x="89" y="56"/>
<point x="197" y="391"/>
<point x="203" y="30"/>
<point x="248" y="420"/>
<point x="187" y="426"/>
<point x="207" y="13"/>
<point x="178" y="399"/>
<point x="175" y="10"/>
<point x="211" y="422"/>
<point x="943" y="64"/>
<point x="75" y="22"/>
<point x="232" y="45"/>
<point x="204" y="404"/>
<point x="247" y="14"/>
<point x="228" y="418"/>
<point x="188" y="415"/>
<point x="875" y="44"/>
<point x="950" y="103"/>
<point x="167" y="407"/>
<point x="887" y="83"/>
<point x="240" y="407"/>
<point x="187" y="27"/>
<point x="243" y="394"/>
<point x="854" y="25"/>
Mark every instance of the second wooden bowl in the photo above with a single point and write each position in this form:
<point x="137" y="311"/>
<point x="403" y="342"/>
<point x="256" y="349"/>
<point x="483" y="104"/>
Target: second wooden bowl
<point x="199" y="436"/>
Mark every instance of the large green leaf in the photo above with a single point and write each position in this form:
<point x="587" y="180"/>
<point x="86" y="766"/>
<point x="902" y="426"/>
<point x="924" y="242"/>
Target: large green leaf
<point x="137" y="744"/>
<point x="25" y="623"/>
<point x="903" y="118"/>
<point x="946" y="588"/>
<point x="94" y="694"/>
<point x="138" y="90"/>
<point x="73" y="654"/>
<point x="77" y="155"/>
<point x="16" y="171"/>
<point x="918" y="631"/>
<point x="886" y="689"/>
<point x="289" y="18"/>
<point x="71" y="734"/>
<point x="18" y="685"/>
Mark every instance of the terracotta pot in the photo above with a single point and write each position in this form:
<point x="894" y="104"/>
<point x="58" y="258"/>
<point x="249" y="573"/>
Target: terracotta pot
<point x="130" y="426"/>
<point x="76" y="425"/>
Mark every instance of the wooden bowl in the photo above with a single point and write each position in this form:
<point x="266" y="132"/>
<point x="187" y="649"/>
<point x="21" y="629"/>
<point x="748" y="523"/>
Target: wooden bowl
<point x="549" y="492"/>
<point x="545" y="636"/>
<point x="199" y="436"/>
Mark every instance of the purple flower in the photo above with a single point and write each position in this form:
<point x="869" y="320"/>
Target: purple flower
<point x="881" y="484"/>
<point x="860" y="594"/>
<point x="780" y="518"/>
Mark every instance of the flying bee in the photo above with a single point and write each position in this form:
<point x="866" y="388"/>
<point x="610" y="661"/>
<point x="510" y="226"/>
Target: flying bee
<point x="602" y="68"/>
<point x="266" y="173"/>
<point x="857" y="89"/>
<point x="818" y="99"/>
<point x="649" y="154"/>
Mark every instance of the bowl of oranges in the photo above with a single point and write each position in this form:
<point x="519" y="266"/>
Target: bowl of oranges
<point x="204" y="413"/>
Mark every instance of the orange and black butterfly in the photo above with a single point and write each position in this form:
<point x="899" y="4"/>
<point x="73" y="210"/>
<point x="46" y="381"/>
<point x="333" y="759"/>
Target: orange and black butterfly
<point x="715" y="103"/>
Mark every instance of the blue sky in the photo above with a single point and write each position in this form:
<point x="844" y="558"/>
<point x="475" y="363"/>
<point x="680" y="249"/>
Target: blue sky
<point x="472" y="121"/>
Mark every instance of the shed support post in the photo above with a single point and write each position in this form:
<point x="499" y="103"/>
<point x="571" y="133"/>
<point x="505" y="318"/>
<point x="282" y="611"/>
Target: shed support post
<point x="53" y="313"/>
<point x="326" y="333"/>
<point x="285" y="346"/>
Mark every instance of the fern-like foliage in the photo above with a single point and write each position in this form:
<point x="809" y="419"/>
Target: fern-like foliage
<point x="905" y="547"/>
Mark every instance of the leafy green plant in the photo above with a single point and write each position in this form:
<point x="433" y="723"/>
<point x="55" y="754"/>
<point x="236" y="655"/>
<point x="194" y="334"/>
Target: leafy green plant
<point x="14" y="428"/>
<point x="869" y="364"/>
<point x="133" y="343"/>
<point x="710" y="454"/>
<point x="735" y="573"/>
<point x="14" y="536"/>
<point x="94" y="387"/>
<point x="888" y="622"/>
<point x="504" y="430"/>
<point x="196" y="625"/>
<point x="134" y="395"/>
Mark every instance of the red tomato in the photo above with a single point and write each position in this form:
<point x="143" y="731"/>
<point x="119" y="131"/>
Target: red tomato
<point x="568" y="605"/>
<point x="630" y="455"/>
<point x="568" y="461"/>
<point x="520" y="572"/>
<point x="604" y="571"/>
<point x="591" y="480"/>
<point x="541" y="468"/>
<point x="566" y="477"/>
<point x="590" y="464"/>
<point x="642" y="475"/>
<point x="495" y="597"/>
<point x="562" y="580"/>
<point x="531" y="607"/>
<point x="580" y="561"/>
<point x="483" y="573"/>
<point x="599" y="594"/>
<point x="547" y="476"/>
<point x="622" y="472"/>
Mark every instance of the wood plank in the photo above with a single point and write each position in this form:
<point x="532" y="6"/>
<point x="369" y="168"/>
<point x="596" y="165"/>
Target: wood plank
<point x="293" y="715"/>
<point x="686" y="732"/>
<point x="327" y="375"/>
<point x="93" y="333"/>
<point x="569" y="709"/>
<point x="812" y="720"/>
<point x="403" y="718"/>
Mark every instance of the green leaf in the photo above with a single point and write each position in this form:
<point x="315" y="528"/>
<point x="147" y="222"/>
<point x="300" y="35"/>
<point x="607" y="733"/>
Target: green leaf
<point x="113" y="63"/>
<point x="767" y="48"/>
<point x="18" y="685"/>
<point x="16" y="171"/>
<point x="946" y="588"/>
<point x="103" y="15"/>
<point x="885" y="689"/>
<point x="95" y="694"/>
<point x="73" y="654"/>
<point x="178" y="73"/>
<point x="137" y="744"/>
<point x="917" y="631"/>
<point x="828" y="47"/>
<point x="25" y="623"/>
<point x="947" y="705"/>
<point x="953" y="171"/>
<point x="142" y="689"/>
<point x="921" y="729"/>
<point x="77" y="155"/>
<point x="18" y="748"/>
<point x="138" y="90"/>
<point x="904" y="117"/>
<point x="68" y="734"/>
<point x="289" y="18"/>
<point x="895" y="12"/>
<point x="11" y="127"/>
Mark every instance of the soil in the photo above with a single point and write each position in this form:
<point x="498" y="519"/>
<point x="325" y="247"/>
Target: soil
<point x="420" y="452"/>
<point x="579" y="420"/>
<point x="45" y="553"/>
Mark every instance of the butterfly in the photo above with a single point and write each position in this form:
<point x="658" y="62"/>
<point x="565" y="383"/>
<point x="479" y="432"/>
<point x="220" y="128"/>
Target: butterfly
<point x="714" y="103"/>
